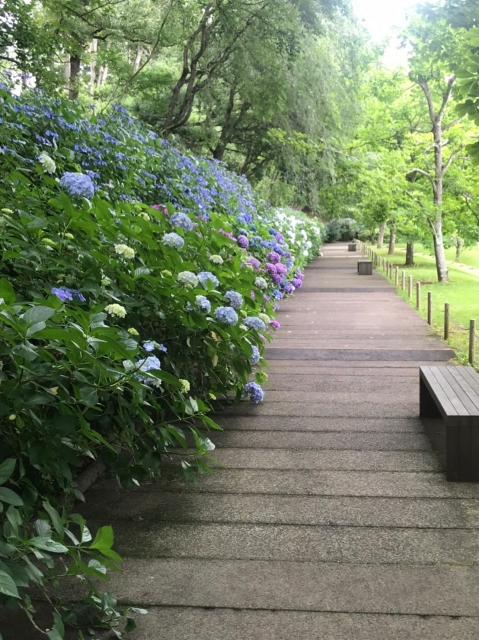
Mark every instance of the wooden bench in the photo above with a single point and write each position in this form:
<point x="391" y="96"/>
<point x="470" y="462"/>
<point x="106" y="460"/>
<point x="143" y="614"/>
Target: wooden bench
<point x="365" y="268"/>
<point x="452" y="393"/>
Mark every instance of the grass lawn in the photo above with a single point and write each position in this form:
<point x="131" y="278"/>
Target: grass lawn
<point x="462" y="293"/>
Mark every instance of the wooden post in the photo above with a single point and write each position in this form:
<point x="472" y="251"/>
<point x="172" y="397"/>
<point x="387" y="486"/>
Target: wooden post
<point x="429" y="307"/>
<point x="397" y="277"/>
<point x="446" y="321"/>
<point x="418" y="295"/>
<point x="403" y="280"/>
<point x="409" y="287"/>
<point x="472" y="342"/>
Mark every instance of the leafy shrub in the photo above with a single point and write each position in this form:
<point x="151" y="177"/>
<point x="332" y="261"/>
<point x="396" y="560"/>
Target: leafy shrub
<point x="341" y="230"/>
<point x="138" y="284"/>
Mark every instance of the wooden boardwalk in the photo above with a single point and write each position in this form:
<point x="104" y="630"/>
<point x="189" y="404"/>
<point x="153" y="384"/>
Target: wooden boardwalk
<point x="332" y="519"/>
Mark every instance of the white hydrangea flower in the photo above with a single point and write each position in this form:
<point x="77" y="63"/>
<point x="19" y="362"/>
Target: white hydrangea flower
<point x="185" y="385"/>
<point x="116" y="310"/>
<point x="216" y="259"/>
<point x="261" y="283"/>
<point x="47" y="163"/>
<point x="124" y="250"/>
<point x="189" y="278"/>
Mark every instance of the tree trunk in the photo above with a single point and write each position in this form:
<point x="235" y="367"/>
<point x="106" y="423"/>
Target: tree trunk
<point x="392" y="242"/>
<point x="137" y="61"/>
<point x="459" y="247"/>
<point x="439" y="252"/>
<point x="93" y="53"/>
<point x="409" y="254"/>
<point x="382" y="228"/>
<point x="75" y="66"/>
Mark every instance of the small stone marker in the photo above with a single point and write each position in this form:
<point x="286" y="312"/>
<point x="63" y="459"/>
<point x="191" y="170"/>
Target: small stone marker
<point x="365" y="268"/>
<point x="352" y="246"/>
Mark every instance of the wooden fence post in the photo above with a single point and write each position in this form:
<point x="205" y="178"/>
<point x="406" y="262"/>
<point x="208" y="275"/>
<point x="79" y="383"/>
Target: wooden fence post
<point x="446" y="321"/>
<point x="403" y="280"/>
<point x="397" y="277"/>
<point x="429" y="307"/>
<point x="409" y="287"/>
<point x="418" y="295"/>
<point x="472" y="342"/>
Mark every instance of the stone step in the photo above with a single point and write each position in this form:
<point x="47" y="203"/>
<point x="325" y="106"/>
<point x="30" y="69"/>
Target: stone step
<point x="294" y="440"/>
<point x="441" y="513"/>
<point x="188" y="623"/>
<point x="341" y="425"/>
<point x="307" y="482"/>
<point x="328" y="408"/>
<point x="327" y="460"/>
<point x="357" y="545"/>
<point x="297" y="586"/>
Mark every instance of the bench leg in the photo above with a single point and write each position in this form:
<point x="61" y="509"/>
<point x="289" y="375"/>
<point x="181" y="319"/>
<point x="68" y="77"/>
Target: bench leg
<point x="462" y="454"/>
<point x="427" y="406"/>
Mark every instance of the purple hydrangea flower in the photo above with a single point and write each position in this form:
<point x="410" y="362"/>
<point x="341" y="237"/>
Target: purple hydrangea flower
<point x="227" y="315"/>
<point x="255" y="263"/>
<point x="276" y="278"/>
<point x="270" y="268"/>
<point x="281" y="269"/>
<point x="297" y="283"/>
<point x="235" y="299"/>
<point x="274" y="257"/>
<point x="243" y="242"/>
<point x="275" y="325"/>
<point x="78" y="185"/>
<point x="255" y="392"/>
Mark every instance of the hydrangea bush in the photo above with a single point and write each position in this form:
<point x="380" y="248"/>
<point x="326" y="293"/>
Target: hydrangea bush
<point x="138" y="286"/>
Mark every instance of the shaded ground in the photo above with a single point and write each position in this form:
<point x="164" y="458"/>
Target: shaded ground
<point x="332" y="519"/>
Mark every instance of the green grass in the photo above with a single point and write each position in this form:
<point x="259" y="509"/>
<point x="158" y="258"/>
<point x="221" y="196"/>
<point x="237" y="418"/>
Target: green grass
<point x="462" y="294"/>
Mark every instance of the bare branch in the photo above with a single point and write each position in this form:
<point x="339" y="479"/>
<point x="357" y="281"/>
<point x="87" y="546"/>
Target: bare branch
<point x="451" y="158"/>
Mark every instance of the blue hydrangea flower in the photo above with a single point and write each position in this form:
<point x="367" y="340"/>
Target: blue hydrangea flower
<point x="255" y="356"/>
<point x="235" y="299"/>
<point x="181" y="220"/>
<point x="78" y="184"/>
<point x="149" y="346"/>
<point x="204" y="276"/>
<point x="63" y="294"/>
<point x="227" y="315"/>
<point x="173" y="240"/>
<point x="151" y="363"/>
<point x="253" y="322"/>
<point x="202" y="304"/>
<point x="255" y="392"/>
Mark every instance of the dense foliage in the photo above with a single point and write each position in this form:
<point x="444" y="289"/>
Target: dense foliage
<point x="268" y="87"/>
<point x="138" y="286"/>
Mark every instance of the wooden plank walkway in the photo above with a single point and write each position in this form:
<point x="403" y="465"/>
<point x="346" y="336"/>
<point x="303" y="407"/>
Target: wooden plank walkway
<point x="332" y="519"/>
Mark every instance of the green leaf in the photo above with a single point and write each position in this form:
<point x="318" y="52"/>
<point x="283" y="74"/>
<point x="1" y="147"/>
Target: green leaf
<point x="54" y="517"/>
<point x="7" y="586"/>
<point x="58" y="630"/>
<point x="10" y="497"/>
<point x="103" y="539"/>
<point x="6" y="469"/>
<point x="6" y="291"/>
<point x="47" y="544"/>
<point x="43" y="528"/>
<point x="34" y="315"/>
<point x="89" y="395"/>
